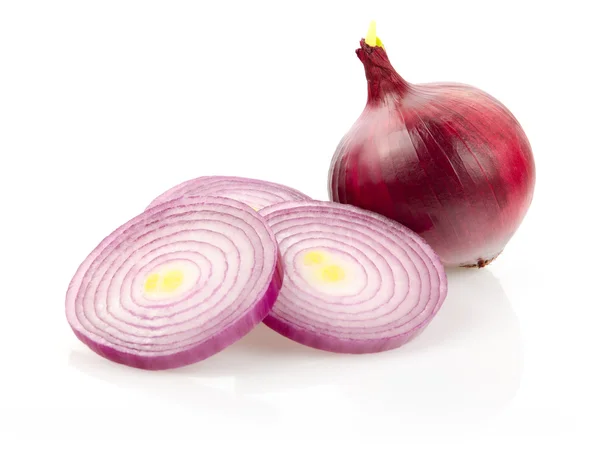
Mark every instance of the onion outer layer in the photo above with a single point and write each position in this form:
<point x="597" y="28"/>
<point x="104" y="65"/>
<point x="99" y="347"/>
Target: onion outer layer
<point x="447" y="160"/>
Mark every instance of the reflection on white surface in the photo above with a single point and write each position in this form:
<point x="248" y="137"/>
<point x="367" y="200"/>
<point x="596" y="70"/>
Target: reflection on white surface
<point x="466" y="365"/>
<point x="210" y="396"/>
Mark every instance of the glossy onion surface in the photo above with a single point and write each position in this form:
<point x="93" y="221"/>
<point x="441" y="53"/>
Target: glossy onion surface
<point x="448" y="161"/>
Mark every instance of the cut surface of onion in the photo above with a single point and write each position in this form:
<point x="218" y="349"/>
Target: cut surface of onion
<point x="253" y="192"/>
<point x="355" y="281"/>
<point x="176" y="284"/>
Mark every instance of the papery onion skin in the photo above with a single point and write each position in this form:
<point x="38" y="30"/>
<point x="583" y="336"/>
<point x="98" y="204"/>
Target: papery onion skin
<point x="253" y="192"/>
<point x="155" y="335"/>
<point x="448" y="161"/>
<point x="405" y="283"/>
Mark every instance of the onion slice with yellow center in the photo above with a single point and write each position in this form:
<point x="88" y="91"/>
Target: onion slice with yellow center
<point x="356" y="282"/>
<point x="176" y="284"/>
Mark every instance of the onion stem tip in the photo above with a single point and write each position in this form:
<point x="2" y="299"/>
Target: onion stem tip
<point x="371" y="38"/>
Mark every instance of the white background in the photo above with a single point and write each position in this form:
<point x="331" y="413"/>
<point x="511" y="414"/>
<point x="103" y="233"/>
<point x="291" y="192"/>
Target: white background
<point x="104" y="105"/>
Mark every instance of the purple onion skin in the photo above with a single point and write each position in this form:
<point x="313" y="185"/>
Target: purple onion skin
<point x="448" y="161"/>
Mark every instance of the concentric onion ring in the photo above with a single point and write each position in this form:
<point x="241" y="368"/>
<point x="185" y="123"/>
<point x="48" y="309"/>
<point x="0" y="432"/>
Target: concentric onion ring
<point x="176" y="284"/>
<point x="253" y="192"/>
<point x="356" y="282"/>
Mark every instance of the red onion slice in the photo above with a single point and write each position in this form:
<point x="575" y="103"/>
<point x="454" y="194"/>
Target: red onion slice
<point x="176" y="284"/>
<point x="253" y="192"/>
<point x="356" y="282"/>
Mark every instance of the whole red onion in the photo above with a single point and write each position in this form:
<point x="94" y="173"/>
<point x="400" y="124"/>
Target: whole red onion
<point x="447" y="160"/>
